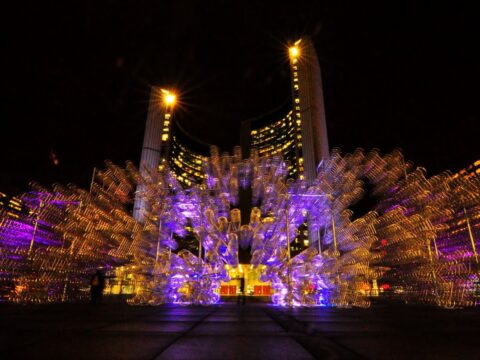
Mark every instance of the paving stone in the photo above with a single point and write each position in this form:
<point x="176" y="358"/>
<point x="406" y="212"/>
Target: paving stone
<point x="181" y="318"/>
<point x="238" y="328"/>
<point x="239" y="318"/>
<point x="404" y="346"/>
<point x="92" y="347"/>
<point x="150" y="326"/>
<point x="349" y="326"/>
<point x="235" y="347"/>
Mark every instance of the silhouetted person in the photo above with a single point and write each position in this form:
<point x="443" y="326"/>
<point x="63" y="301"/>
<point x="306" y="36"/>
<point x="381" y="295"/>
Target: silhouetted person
<point x="241" y="296"/>
<point x="97" y="284"/>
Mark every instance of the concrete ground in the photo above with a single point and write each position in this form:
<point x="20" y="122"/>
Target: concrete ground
<point x="228" y="331"/>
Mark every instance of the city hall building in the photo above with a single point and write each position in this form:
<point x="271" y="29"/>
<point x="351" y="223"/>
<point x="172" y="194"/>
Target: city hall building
<point x="299" y="136"/>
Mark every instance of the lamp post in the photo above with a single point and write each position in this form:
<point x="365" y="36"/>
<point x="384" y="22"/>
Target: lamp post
<point x="470" y="234"/>
<point x="159" y="235"/>
<point x="287" y="229"/>
<point x="319" y="245"/>
<point x="200" y="238"/>
<point x="334" y="232"/>
<point x="35" y="228"/>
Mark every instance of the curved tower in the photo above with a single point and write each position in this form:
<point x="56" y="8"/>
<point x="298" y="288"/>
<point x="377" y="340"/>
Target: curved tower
<point x="300" y="136"/>
<point x="308" y="107"/>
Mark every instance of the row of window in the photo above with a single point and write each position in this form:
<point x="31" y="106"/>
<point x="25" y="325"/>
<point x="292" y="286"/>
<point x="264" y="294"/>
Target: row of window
<point x="298" y="117"/>
<point x="186" y="164"/>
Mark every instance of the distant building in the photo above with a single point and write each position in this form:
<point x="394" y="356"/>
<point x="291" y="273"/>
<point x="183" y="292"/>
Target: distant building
<point x="471" y="170"/>
<point x="12" y="207"/>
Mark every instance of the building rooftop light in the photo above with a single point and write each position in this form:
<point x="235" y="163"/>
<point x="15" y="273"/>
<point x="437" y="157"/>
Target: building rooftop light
<point x="169" y="98"/>
<point x="294" y="51"/>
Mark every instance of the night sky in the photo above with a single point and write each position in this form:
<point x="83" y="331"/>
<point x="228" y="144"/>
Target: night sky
<point x="76" y="78"/>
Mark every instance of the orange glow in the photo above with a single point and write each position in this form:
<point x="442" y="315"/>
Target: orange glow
<point x="169" y="98"/>
<point x="294" y="51"/>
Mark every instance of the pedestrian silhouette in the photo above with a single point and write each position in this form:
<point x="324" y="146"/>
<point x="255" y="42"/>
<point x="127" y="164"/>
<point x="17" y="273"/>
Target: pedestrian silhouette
<point x="97" y="284"/>
<point x="241" y="296"/>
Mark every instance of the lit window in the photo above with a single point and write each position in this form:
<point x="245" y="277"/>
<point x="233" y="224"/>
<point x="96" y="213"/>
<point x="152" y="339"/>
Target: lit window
<point x="164" y="137"/>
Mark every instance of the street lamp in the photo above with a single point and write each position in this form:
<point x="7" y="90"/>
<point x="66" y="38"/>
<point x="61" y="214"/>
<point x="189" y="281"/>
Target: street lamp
<point x="334" y="232"/>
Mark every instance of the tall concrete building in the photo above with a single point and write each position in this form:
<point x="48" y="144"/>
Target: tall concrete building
<point x="157" y="140"/>
<point x="299" y="135"/>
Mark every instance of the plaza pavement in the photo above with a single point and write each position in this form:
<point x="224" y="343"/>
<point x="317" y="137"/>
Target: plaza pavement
<point x="228" y="331"/>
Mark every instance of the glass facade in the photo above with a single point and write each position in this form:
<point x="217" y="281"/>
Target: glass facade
<point x="185" y="163"/>
<point x="279" y="138"/>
